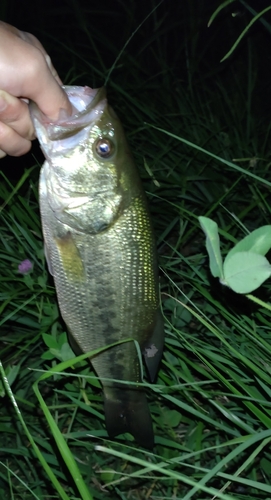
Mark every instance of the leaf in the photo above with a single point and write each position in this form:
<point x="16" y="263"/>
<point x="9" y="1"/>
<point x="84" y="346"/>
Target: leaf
<point x="56" y="353"/>
<point x="47" y="355"/>
<point x="12" y="373"/>
<point x="66" y="353"/>
<point x="62" y="339"/>
<point x="245" y="271"/>
<point x="170" y="419"/>
<point x="42" y="281"/>
<point x="2" y="390"/>
<point x="219" y="8"/>
<point x="259" y="242"/>
<point x="50" y="341"/>
<point x="29" y="281"/>
<point x="210" y="229"/>
<point x="244" y="32"/>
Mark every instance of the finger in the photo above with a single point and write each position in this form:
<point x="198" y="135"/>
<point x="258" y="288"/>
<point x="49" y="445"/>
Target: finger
<point x="30" y="72"/>
<point x="12" y="143"/>
<point x="15" y="113"/>
<point x="58" y="93"/>
<point x="41" y="87"/>
<point x="28" y="37"/>
<point x="58" y="99"/>
<point x="32" y="40"/>
<point x="52" y="69"/>
<point x="2" y="154"/>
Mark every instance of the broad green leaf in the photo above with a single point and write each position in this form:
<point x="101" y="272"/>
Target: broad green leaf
<point x="66" y="353"/>
<point x="259" y="241"/>
<point x="56" y="353"/>
<point x="29" y="281"/>
<point x="245" y="271"/>
<point x="173" y="418"/>
<point x="47" y="355"/>
<point x="170" y="419"/>
<point x="62" y="339"/>
<point x="210" y="229"/>
<point x="50" y="341"/>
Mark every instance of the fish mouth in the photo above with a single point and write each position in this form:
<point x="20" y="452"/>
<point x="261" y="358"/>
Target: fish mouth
<point x="88" y="104"/>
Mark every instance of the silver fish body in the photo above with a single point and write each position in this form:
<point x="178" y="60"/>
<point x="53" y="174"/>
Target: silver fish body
<point x="101" y="252"/>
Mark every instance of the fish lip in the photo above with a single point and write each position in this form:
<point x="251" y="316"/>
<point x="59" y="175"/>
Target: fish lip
<point x="87" y="105"/>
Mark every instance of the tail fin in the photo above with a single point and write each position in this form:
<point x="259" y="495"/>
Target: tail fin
<point x="126" y="410"/>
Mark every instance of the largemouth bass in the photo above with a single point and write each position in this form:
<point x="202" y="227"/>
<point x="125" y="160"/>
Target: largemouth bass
<point x="100" y="249"/>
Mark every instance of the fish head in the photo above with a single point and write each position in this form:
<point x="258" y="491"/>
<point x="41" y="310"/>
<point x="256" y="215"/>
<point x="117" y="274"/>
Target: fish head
<point x="88" y="161"/>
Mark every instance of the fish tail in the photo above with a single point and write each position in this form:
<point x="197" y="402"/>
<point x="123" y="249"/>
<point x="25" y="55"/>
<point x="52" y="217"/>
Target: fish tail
<point x="126" y="410"/>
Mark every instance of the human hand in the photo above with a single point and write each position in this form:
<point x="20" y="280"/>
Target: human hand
<point x="26" y="72"/>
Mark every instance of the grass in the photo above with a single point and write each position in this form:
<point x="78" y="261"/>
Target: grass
<point x="200" y="134"/>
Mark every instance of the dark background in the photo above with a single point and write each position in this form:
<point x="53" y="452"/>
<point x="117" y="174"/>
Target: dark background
<point x="74" y="31"/>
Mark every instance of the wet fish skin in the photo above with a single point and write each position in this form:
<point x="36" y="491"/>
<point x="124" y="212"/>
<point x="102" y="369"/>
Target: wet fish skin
<point x="100" y="248"/>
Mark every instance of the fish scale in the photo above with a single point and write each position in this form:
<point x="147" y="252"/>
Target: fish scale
<point x="100" y="249"/>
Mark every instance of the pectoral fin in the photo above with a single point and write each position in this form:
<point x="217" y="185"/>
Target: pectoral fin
<point x="70" y="257"/>
<point x="126" y="410"/>
<point x="153" y="349"/>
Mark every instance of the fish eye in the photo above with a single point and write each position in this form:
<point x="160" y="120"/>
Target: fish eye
<point x="104" y="147"/>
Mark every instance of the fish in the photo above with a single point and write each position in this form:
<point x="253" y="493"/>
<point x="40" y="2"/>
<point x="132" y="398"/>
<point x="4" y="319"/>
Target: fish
<point x="100" y="249"/>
